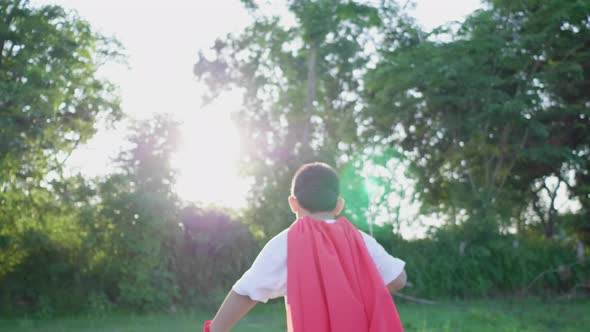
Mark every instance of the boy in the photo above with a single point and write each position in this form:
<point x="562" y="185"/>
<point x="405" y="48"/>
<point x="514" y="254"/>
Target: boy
<point x="334" y="277"/>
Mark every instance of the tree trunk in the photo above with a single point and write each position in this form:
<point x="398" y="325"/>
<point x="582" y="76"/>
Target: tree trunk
<point x="311" y="95"/>
<point x="552" y="211"/>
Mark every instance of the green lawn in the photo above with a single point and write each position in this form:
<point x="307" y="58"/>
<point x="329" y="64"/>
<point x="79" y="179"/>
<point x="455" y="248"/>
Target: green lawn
<point x="504" y="315"/>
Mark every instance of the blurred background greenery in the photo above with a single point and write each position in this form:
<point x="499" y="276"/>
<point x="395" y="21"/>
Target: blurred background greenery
<point x="482" y="125"/>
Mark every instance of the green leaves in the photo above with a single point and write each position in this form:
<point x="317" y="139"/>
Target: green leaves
<point x="50" y="99"/>
<point x="49" y="92"/>
<point x="479" y="114"/>
<point x="302" y="92"/>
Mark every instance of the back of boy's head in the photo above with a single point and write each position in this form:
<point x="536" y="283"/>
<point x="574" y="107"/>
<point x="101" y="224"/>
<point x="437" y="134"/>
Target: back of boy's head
<point x="316" y="187"/>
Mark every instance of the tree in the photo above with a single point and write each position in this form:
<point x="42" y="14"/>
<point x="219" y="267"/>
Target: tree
<point x="50" y="99"/>
<point x="301" y="88"/>
<point x="49" y="94"/>
<point x="485" y="116"/>
<point x="557" y="36"/>
<point x="138" y="215"/>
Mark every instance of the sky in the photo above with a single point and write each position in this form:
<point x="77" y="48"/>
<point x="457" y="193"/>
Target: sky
<point x="162" y="40"/>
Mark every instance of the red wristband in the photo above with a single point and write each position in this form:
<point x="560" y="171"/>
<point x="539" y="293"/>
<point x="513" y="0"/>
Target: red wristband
<point x="207" y="327"/>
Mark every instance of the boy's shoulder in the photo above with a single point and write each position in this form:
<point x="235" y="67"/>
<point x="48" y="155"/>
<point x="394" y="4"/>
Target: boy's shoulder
<point x="280" y="239"/>
<point x="281" y="235"/>
<point x="278" y="242"/>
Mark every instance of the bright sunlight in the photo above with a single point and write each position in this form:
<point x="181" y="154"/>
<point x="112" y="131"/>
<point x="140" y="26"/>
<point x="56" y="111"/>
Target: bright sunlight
<point x="160" y="80"/>
<point x="207" y="159"/>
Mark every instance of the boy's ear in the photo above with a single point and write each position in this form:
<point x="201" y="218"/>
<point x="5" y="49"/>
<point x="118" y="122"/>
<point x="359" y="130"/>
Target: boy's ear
<point x="339" y="206"/>
<point x="293" y="204"/>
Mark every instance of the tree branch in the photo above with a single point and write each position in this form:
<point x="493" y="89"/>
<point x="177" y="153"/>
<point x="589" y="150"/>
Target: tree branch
<point x="413" y="299"/>
<point x="525" y="137"/>
<point x="557" y="269"/>
<point x="471" y="181"/>
<point x="503" y="142"/>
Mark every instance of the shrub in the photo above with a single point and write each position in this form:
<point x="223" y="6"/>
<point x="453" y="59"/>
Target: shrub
<point x="447" y="265"/>
<point x="210" y="254"/>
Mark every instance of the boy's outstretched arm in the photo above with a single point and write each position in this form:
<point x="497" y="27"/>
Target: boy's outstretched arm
<point x="234" y="307"/>
<point x="398" y="283"/>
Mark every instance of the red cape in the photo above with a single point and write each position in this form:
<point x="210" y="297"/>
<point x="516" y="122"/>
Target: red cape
<point x="333" y="283"/>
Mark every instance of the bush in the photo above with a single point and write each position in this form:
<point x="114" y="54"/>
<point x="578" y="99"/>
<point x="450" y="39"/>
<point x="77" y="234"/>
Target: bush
<point x="195" y="263"/>
<point x="210" y="254"/>
<point x="48" y="281"/>
<point x="447" y="265"/>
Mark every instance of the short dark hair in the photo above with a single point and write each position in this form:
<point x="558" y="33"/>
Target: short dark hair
<point x="316" y="187"/>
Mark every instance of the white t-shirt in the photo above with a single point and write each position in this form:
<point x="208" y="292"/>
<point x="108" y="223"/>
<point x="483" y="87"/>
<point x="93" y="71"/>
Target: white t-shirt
<point x="267" y="278"/>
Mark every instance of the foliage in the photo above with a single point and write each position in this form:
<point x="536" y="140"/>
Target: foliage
<point x="126" y="241"/>
<point x="49" y="102"/>
<point x="490" y="114"/>
<point x="211" y="253"/>
<point x="52" y="272"/>
<point x="139" y="211"/>
<point x="449" y="264"/>
<point x="489" y="118"/>
<point x="301" y="87"/>
<point x="49" y="95"/>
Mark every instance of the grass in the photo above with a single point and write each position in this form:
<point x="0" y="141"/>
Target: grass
<point x="480" y="315"/>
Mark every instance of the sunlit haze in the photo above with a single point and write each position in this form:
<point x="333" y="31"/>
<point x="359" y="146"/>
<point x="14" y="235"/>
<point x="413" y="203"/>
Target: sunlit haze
<point x="162" y="40"/>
